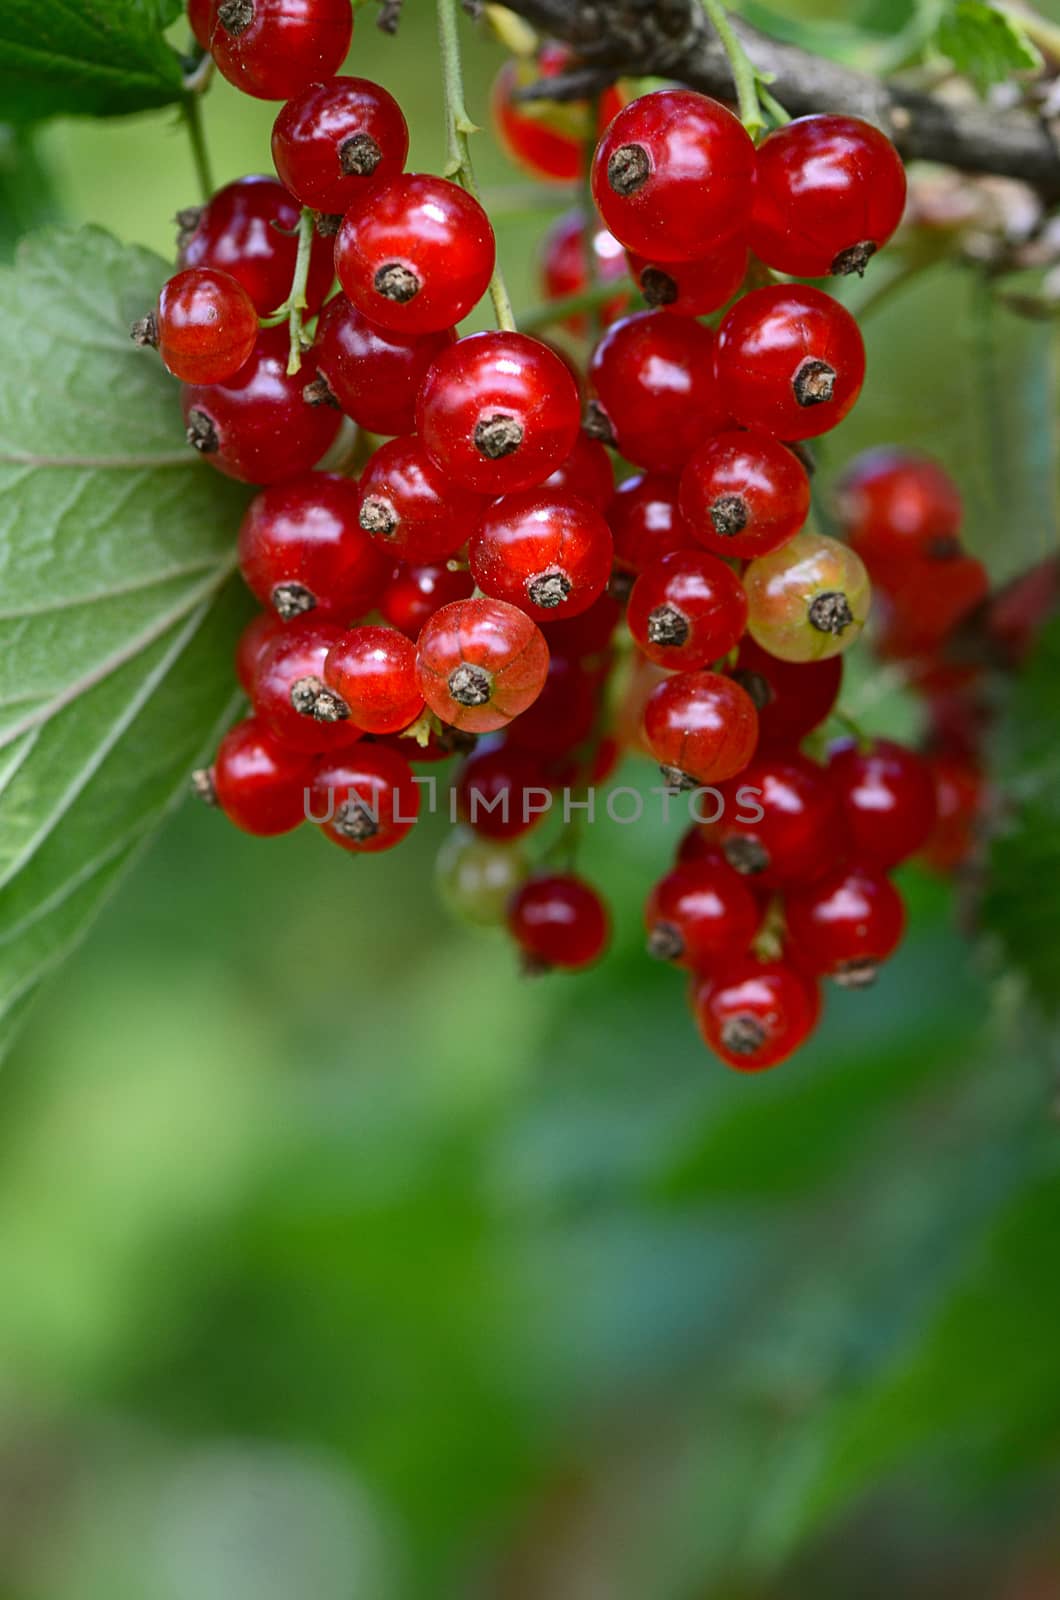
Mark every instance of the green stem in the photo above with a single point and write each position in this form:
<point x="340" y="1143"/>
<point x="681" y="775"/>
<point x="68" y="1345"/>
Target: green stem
<point x="852" y="726"/>
<point x="458" y="127"/>
<point x="744" y="75"/>
<point x="771" y="104"/>
<point x="573" y="305"/>
<point x="191" y="111"/>
<point x="296" y="304"/>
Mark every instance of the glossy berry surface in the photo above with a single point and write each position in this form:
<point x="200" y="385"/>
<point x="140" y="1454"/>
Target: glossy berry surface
<point x="561" y="718"/>
<point x="251" y="645"/>
<point x="498" y="412"/>
<point x="692" y="288"/>
<point x="566" y="268"/>
<point x="687" y="609"/>
<point x="481" y="663"/>
<point x="258" y="782"/>
<point x="792" y="698"/>
<point x="500" y="791"/>
<point x="205" y="326"/>
<point x="200" y="20"/>
<point x="744" y="494"/>
<point x="897" y="507"/>
<point x="701" y="727"/>
<point x="414" y="593"/>
<point x="302" y="548"/>
<point x="699" y="914"/>
<point x="673" y="174"/>
<point x="257" y="426"/>
<point x="550" y="554"/>
<point x="366" y="799"/>
<point x="272" y="49"/>
<point x="809" y="599"/>
<point x="755" y="1014"/>
<point x="288" y="690"/>
<point x="410" y="507"/>
<point x="653" y="375"/>
<point x="375" y="375"/>
<point x="373" y="671"/>
<point x="249" y="229"/>
<point x="790" y="361"/>
<point x="586" y="472"/>
<point x="646" y="521"/>
<point x="333" y="143"/>
<point x="829" y="192"/>
<point x="887" y="796"/>
<point x="847" y="925"/>
<point x="419" y="258"/>
<point x="559" y="921"/>
<point x="546" y="138"/>
<point x="797" y="837"/>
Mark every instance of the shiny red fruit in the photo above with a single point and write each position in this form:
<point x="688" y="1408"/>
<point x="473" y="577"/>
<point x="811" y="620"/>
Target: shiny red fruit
<point x="547" y="138"/>
<point x="411" y="508"/>
<point x="336" y="141"/>
<point x="899" y="509"/>
<point x="701" y="728"/>
<point x="559" y="921"/>
<point x="846" y="926"/>
<point x="249" y="229"/>
<point x="204" y="326"/>
<point x="288" y="690"/>
<point x="586" y="472"/>
<point x="481" y="662"/>
<point x="200" y="20"/>
<point x="653" y="375"/>
<point x="699" y="914"/>
<point x="646" y="522"/>
<point x="565" y="266"/>
<point x="415" y="593"/>
<point x="756" y="1014"/>
<point x="686" y="610"/>
<point x="374" y="375"/>
<point x="887" y="795"/>
<point x="502" y="792"/>
<point x="365" y="800"/>
<point x="673" y="175"/>
<point x="744" y="494"/>
<point x="301" y="548"/>
<point x="498" y="412"/>
<point x="829" y="192"/>
<point x="562" y="717"/>
<point x="781" y="825"/>
<point x="259" y="783"/>
<point x="258" y="427"/>
<point x="550" y="554"/>
<point x="586" y="637"/>
<point x="272" y="49"/>
<point x="790" y="361"/>
<point x="373" y="671"/>
<point x="251" y="645"/>
<point x="792" y="697"/>
<point x="692" y="288"/>
<point x="419" y="258"/>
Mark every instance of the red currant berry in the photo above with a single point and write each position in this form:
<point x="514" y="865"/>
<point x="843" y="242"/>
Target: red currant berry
<point x="201" y="20"/>
<point x="559" y="921"/>
<point x="657" y="398"/>
<point x="550" y="554"/>
<point x="701" y="728"/>
<point x="411" y="508"/>
<point x="846" y="926"/>
<point x="365" y="800"/>
<point x="374" y="375"/>
<point x="272" y="49"/>
<point x="646" y="522"/>
<point x="289" y="693"/>
<point x="888" y="798"/>
<point x="499" y="791"/>
<point x="414" y="594"/>
<point x="781" y="824"/>
<point x="673" y="175"/>
<point x="587" y="636"/>
<point x="790" y="361"/>
<point x="792" y="698"/>
<point x="829" y="192"/>
<point x="929" y="605"/>
<point x="419" y="258"/>
<point x="204" y="326"/>
<point x="562" y="717"/>
<point x="587" y="472"/>
<point x="699" y="914"/>
<point x="249" y="229"/>
<point x="259" y="783"/>
<point x="546" y="138"/>
<point x="809" y="599"/>
<point x="251" y="645"/>
<point x="301" y="548"/>
<point x="335" y="141"/>
<point x="481" y="663"/>
<point x="499" y="412"/>
<point x="565" y="265"/>
<point x="899" y="510"/>
<point x="959" y="796"/>
<point x="373" y="672"/>
<point x="687" y="609"/>
<point x="692" y="288"/>
<point x="756" y="1014"/>
<point x="258" y="427"/>
<point x="744" y="495"/>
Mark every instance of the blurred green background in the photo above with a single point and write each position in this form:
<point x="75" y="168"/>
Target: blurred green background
<point x="337" y="1262"/>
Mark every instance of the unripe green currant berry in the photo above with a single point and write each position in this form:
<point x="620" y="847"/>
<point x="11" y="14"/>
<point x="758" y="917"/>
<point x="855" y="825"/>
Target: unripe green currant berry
<point x="476" y="877"/>
<point x="808" y="600"/>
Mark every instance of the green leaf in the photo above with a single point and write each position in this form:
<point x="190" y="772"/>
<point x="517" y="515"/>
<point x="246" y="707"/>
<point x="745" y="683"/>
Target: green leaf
<point x="116" y="611"/>
<point x="27" y="200"/>
<point x="86" y="57"/>
<point x="985" y="44"/>
<point x="1022" y="906"/>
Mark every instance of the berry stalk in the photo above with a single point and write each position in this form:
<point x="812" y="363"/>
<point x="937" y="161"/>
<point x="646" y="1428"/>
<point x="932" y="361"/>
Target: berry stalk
<point x="296" y="303"/>
<point x="755" y="101"/>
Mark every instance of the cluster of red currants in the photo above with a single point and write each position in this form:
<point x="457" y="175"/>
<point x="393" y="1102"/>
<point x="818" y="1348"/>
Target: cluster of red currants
<point x="484" y="583"/>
